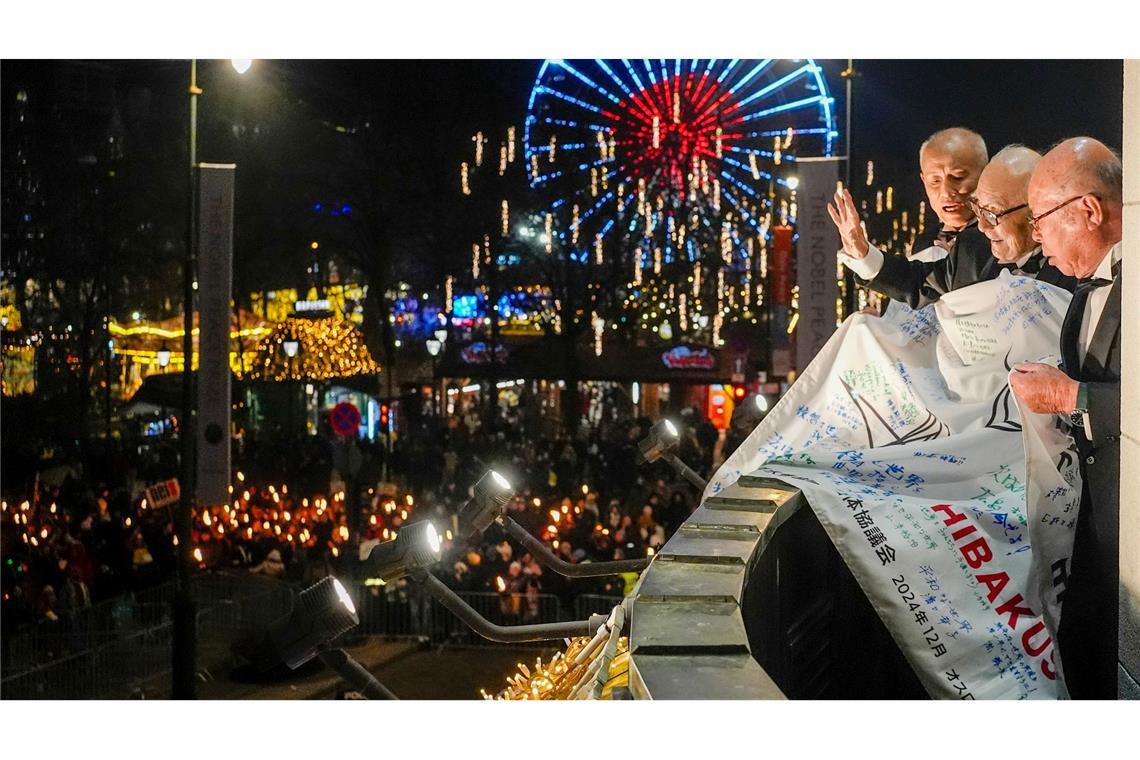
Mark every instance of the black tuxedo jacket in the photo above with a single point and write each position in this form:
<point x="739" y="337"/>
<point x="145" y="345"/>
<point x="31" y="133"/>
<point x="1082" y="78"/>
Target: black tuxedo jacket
<point x="1046" y="272"/>
<point x="918" y="283"/>
<point x="1089" y="612"/>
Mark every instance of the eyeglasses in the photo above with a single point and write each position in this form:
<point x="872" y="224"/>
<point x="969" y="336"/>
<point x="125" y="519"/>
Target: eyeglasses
<point x="993" y="218"/>
<point x="1034" y="220"/>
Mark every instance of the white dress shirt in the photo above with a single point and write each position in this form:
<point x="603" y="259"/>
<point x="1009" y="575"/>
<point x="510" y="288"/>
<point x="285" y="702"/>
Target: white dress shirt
<point x="1094" y="308"/>
<point x="867" y="267"/>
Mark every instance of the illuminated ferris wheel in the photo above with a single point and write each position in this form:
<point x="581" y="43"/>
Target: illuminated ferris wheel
<point x="663" y="154"/>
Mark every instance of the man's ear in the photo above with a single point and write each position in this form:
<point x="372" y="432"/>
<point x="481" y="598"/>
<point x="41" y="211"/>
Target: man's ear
<point x="1093" y="208"/>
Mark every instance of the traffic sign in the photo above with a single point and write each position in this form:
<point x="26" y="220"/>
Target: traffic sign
<point x="345" y="419"/>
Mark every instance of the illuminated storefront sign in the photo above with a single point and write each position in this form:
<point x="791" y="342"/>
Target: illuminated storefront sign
<point x="686" y="357"/>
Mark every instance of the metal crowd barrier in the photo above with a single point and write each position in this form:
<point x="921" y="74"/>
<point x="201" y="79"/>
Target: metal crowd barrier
<point x="121" y="655"/>
<point x="127" y="654"/>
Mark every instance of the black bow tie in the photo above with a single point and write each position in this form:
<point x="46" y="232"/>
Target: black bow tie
<point x="1092" y="283"/>
<point x="946" y="238"/>
<point x="1030" y="268"/>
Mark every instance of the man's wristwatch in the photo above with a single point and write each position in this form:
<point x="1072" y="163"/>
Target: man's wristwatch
<point x="1077" y="417"/>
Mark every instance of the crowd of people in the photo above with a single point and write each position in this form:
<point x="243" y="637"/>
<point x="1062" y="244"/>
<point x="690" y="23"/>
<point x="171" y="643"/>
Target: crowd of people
<point x="87" y="533"/>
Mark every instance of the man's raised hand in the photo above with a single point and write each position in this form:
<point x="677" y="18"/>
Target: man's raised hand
<point x="851" y="230"/>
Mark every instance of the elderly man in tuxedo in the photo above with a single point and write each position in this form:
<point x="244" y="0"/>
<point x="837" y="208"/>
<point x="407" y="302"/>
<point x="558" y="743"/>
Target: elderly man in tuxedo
<point x="951" y="162"/>
<point x="1001" y="205"/>
<point x="1076" y="214"/>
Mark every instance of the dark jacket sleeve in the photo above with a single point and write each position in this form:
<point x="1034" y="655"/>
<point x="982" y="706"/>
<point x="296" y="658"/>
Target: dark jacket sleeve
<point x="919" y="283"/>
<point x="915" y="283"/>
<point x="1104" y="412"/>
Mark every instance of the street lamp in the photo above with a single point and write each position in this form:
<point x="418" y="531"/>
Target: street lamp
<point x="184" y="644"/>
<point x="241" y="65"/>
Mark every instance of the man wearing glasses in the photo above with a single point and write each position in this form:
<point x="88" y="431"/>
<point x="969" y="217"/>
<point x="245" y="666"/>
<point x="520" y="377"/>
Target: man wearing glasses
<point x="1002" y="207"/>
<point x="1075" y="212"/>
<point x="950" y="161"/>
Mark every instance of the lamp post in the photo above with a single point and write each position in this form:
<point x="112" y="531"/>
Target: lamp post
<point x="184" y="633"/>
<point x="291" y="347"/>
<point x="433" y="348"/>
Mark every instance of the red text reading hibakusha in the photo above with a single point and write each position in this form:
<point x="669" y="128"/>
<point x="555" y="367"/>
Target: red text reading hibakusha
<point x="977" y="554"/>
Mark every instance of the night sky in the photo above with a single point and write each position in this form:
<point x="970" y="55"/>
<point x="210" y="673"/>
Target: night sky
<point x="435" y="106"/>
<point x="898" y="103"/>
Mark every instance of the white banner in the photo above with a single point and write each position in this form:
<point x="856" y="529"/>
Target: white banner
<point x="215" y="287"/>
<point x="956" y="521"/>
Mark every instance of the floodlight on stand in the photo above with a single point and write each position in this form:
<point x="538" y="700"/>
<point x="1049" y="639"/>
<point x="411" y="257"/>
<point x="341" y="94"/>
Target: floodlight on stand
<point x="416" y="547"/>
<point x="319" y="615"/>
<point x="662" y="437"/>
<point x="506" y="634"/>
<point x="492" y="492"/>
<point x="659" y="444"/>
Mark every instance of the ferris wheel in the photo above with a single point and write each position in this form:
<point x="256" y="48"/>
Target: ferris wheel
<point x="644" y="149"/>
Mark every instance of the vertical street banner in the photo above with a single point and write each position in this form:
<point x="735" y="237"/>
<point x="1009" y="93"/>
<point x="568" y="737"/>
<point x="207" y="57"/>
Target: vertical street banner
<point x="215" y="267"/>
<point x="815" y="259"/>
<point x="953" y="508"/>
<point x="780" y="270"/>
<point x="782" y="265"/>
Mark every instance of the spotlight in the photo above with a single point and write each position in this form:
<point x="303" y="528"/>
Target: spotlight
<point x="662" y="437"/>
<point x="492" y="493"/>
<point x="320" y="613"/>
<point x="659" y="444"/>
<point x="415" y="548"/>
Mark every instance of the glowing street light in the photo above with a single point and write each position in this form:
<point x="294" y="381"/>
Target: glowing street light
<point x="163" y="356"/>
<point x="291" y="347"/>
<point x="241" y="65"/>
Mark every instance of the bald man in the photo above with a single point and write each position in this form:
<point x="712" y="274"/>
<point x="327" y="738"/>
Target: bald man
<point x="950" y="163"/>
<point x="1001" y="204"/>
<point x="1076" y="214"/>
